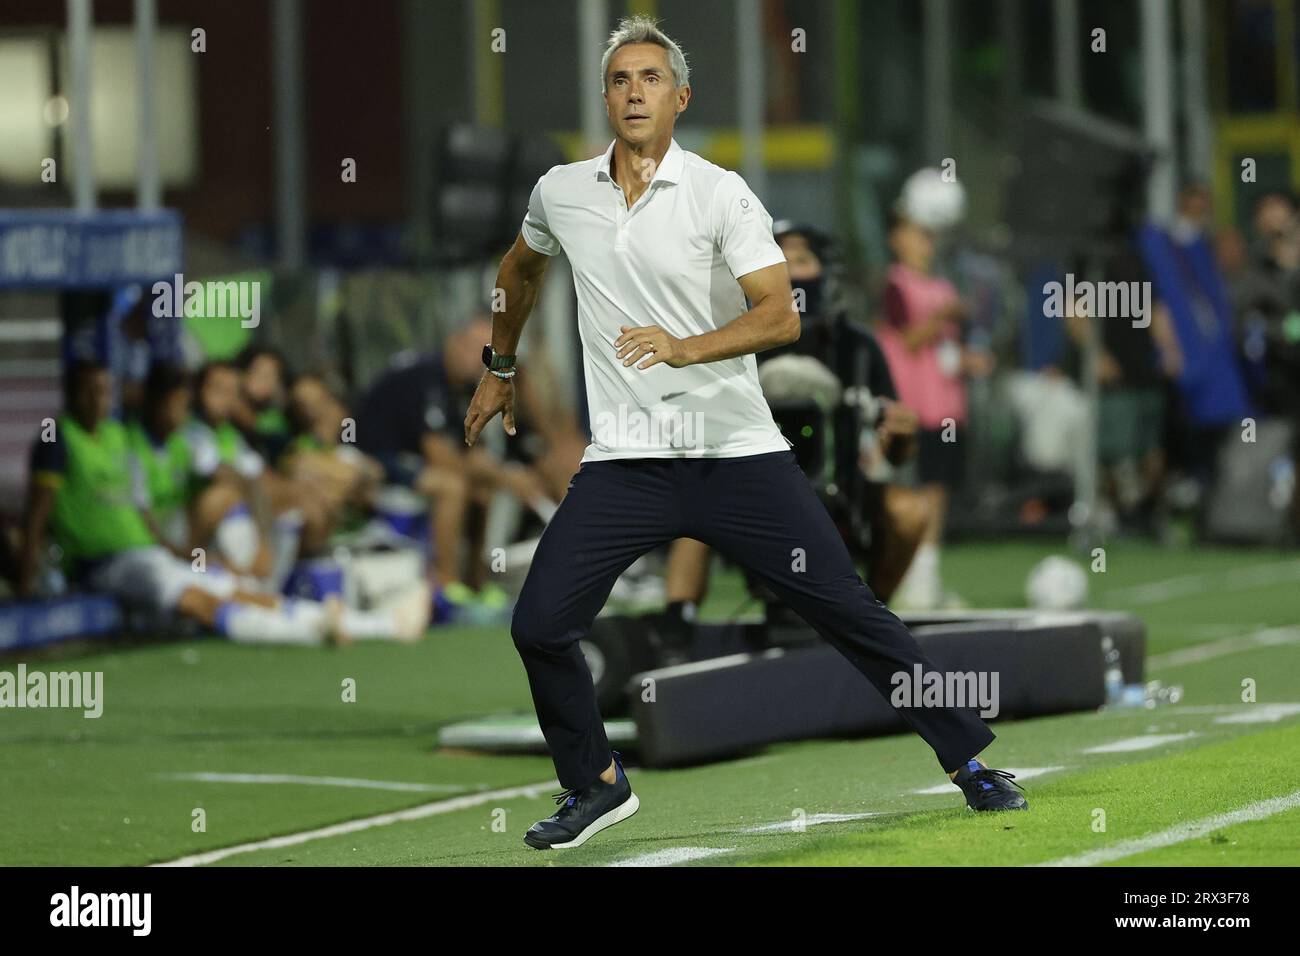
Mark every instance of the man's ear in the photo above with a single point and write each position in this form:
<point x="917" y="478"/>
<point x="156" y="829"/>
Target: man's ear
<point x="683" y="98"/>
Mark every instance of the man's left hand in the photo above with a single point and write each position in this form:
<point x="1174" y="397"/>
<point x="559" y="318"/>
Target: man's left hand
<point x="650" y="345"/>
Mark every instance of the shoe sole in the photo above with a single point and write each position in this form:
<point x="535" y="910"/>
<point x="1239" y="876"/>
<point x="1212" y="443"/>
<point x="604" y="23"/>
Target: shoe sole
<point x="1023" y="806"/>
<point x="602" y="822"/>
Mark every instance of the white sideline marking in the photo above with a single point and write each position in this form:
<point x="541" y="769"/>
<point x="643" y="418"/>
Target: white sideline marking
<point x="1175" y="710"/>
<point x="792" y="825"/>
<point x="434" y="809"/>
<point x="207" y="777"/>
<point x="678" y="854"/>
<point x="1022" y="773"/>
<point x="1144" y="742"/>
<point x="1182" y="832"/>
<point x="1236" y="579"/>
<point x="1268" y="637"/>
<point x="1260" y="714"/>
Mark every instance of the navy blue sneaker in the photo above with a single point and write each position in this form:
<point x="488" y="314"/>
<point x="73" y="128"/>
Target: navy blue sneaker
<point x="988" y="789"/>
<point x="584" y="813"/>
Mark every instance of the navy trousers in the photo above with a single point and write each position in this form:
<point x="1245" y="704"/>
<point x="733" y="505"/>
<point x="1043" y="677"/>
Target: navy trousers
<point x="761" y="512"/>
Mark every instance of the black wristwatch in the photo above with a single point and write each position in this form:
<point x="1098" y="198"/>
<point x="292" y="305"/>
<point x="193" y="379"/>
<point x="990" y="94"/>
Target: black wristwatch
<point x="493" y="361"/>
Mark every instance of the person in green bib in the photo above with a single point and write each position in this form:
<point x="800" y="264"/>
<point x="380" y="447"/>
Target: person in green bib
<point x="261" y="413"/>
<point x="81" y="467"/>
<point x="82" y="491"/>
<point x="184" y="509"/>
<point x="162" y="459"/>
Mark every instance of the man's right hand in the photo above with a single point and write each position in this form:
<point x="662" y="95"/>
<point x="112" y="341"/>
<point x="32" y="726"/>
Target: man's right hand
<point x="493" y="395"/>
<point x="896" y="420"/>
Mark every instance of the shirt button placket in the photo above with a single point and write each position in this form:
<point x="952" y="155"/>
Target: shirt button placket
<point x="620" y="235"/>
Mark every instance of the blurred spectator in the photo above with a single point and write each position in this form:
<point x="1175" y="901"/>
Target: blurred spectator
<point x="1133" y="362"/>
<point x="1266" y="297"/>
<point x="921" y="337"/>
<point x="411" y="420"/>
<point x="1190" y="290"/>
<point x="874" y="431"/>
<point x="322" y="451"/>
<point x="260" y="411"/>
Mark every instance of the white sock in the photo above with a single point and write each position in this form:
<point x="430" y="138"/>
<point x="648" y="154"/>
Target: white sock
<point x="237" y="537"/>
<point x="369" y="625"/>
<point x="253" y="624"/>
<point x="920" y="587"/>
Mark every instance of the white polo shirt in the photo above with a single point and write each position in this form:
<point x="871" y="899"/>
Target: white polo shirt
<point x="671" y="260"/>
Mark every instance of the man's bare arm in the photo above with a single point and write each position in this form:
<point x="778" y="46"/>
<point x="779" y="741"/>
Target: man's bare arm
<point x="519" y="279"/>
<point x="772" y="321"/>
<point x="40" y="502"/>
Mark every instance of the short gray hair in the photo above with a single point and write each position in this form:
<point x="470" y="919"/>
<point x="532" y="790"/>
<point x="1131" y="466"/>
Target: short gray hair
<point x="643" y="29"/>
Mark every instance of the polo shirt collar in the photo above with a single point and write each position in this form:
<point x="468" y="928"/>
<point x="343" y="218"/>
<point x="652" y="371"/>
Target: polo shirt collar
<point x="669" y="171"/>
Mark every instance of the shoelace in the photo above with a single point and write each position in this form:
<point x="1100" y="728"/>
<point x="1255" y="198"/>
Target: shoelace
<point x="979" y="775"/>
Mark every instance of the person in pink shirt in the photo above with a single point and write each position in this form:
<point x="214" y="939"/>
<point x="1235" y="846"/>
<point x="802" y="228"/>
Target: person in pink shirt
<point x="921" y="337"/>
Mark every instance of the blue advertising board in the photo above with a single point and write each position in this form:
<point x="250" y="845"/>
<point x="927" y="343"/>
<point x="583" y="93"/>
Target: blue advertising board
<point x="61" y="248"/>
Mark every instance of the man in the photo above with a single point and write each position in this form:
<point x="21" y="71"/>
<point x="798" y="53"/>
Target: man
<point x="1193" y="326"/>
<point x="404" y="420"/>
<point x="260" y="412"/>
<point x="664" y="248"/>
<point x="319" y="453"/>
<point x="82" y="489"/>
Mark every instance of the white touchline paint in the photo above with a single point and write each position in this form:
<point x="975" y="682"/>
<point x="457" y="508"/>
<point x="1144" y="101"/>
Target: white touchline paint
<point x="678" y="854"/>
<point x="792" y="825"/>
<point x="1022" y="773"/>
<point x="1144" y="742"/>
<point x="270" y="778"/>
<point x="1187" y="585"/>
<point x="1260" y="714"/>
<point x="365" y="823"/>
<point x="1176" y="710"/>
<point x="1268" y="637"/>
<point x="1182" y="832"/>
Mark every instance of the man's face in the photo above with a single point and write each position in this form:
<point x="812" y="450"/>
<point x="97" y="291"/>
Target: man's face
<point x="92" y="397"/>
<point x="220" y="392"/>
<point x="173" y="410"/>
<point x="1194" y="206"/>
<point x="640" y="97"/>
<point x="262" y="383"/>
<point x="1273" y="217"/>
<point x="309" y="398"/>
<point x="913" y="245"/>
<point x="802" y="262"/>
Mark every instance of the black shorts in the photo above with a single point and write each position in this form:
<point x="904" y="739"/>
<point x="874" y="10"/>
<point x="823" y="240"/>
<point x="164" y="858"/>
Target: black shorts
<point x="940" y="462"/>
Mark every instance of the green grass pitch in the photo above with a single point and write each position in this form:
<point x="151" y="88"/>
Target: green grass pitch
<point x="183" y="721"/>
